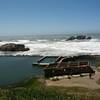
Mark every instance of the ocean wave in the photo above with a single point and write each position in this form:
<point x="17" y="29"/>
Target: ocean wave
<point x="55" y="48"/>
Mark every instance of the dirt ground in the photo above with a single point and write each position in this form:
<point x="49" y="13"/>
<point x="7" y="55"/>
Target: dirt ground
<point x="84" y="81"/>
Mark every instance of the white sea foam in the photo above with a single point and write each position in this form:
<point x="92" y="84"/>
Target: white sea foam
<point x="56" y="48"/>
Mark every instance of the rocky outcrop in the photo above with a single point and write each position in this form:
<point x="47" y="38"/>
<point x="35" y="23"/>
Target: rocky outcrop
<point x="71" y="38"/>
<point x="79" y="37"/>
<point x="89" y="37"/>
<point x="13" y="47"/>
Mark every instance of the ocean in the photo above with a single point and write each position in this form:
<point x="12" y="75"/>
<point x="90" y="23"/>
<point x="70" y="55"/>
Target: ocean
<point x="53" y="45"/>
<point x="17" y="66"/>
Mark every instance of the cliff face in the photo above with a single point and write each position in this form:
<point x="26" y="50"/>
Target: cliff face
<point x="13" y="47"/>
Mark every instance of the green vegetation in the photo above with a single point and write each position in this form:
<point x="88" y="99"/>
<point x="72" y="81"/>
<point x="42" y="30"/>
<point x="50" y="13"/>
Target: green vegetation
<point x="35" y="89"/>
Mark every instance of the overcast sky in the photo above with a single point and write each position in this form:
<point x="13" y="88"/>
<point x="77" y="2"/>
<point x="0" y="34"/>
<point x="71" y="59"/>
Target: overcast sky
<point x="48" y="16"/>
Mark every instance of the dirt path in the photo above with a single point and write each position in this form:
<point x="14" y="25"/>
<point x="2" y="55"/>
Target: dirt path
<point x="77" y="81"/>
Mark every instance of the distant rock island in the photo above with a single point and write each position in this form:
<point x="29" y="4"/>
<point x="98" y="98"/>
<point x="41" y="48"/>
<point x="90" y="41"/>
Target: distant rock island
<point x="13" y="47"/>
<point x="79" y="37"/>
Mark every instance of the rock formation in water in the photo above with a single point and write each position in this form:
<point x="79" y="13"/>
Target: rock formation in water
<point x="79" y="37"/>
<point x="71" y="38"/>
<point x="13" y="47"/>
<point x="89" y="37"/>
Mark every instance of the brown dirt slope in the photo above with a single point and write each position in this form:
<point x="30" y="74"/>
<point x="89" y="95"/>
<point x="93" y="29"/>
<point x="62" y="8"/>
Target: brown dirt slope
<point x="77" y="81"/>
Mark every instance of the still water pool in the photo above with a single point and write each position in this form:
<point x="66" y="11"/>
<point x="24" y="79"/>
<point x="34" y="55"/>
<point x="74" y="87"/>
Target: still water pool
<point x="15" y="69"/>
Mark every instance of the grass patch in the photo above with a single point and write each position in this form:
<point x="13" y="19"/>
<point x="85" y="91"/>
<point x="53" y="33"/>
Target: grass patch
<point x="31" y="83"/>
<point x="35" y="89"/>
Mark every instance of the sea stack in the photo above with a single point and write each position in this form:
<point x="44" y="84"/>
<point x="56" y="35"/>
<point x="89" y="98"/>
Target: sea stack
<point x="79" y="37"/>
<point x="13" y="47"/>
